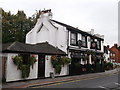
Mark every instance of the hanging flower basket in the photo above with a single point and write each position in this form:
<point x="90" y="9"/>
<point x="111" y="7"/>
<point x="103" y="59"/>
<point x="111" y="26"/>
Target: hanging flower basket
<point x="58" y="62"/>
<point x="25" y="68"/>
<point x="93" y="58"/>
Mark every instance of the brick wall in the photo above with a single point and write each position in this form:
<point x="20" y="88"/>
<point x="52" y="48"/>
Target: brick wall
<point x="117" y="53"/>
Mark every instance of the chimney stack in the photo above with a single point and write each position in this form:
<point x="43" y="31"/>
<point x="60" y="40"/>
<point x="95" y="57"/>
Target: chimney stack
<point x="46" y="13"/>
<point x="92" y="31"/>
<point x="108" y="46"/>
<point x="115" y="45"/>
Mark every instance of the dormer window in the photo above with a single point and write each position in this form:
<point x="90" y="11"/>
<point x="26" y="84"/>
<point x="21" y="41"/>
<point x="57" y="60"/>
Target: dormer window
<point x="84" y="41"/>
<point x="73" y="38"/>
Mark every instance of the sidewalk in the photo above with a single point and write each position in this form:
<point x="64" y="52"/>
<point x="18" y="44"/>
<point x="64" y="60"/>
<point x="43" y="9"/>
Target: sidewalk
<point x="46" y="81"/>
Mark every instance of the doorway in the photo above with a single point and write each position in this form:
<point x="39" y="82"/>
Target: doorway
<point x="41" y="66"/>
<point x="4" y="63"/>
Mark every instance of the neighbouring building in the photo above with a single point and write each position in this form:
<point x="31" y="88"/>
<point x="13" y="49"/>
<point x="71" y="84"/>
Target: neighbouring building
<point x="116" y="50"/>
<point x="79" y="45"/>
<point x="109" y="55"/>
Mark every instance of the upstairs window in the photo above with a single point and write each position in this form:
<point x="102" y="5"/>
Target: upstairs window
<point x="84" y="41"/>
<point x="92" y="39"/>
<point x="73" y="38"/>
<point x="98" y="44"/>
<point x="93" y="45"/>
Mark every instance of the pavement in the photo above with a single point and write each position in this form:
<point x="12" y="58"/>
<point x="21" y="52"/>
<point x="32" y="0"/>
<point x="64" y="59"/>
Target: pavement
<point x="47" y="81"/>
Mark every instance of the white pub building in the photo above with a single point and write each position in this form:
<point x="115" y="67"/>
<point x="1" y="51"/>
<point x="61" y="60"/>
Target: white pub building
<point x="76" y="43"/>
<point x="47" y="38"/>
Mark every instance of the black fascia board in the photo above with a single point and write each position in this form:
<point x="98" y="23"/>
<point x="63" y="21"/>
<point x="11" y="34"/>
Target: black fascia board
<point x="10" y="51"/>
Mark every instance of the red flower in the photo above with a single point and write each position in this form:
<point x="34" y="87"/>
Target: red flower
<point x="33" y="55"/>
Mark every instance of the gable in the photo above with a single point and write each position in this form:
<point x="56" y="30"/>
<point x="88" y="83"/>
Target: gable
<point x="40" y="28"/>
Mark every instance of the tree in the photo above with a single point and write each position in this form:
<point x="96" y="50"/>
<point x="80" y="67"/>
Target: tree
<point x="15" y="27"/>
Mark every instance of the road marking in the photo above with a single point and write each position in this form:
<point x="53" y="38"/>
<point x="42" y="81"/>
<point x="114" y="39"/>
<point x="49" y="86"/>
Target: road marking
<point x="38" y="84"/>
<point x="71" y="80"/>
<point x="66" y="82"/>
<point x="104" y="88"/>
<point x="117" y="83"/>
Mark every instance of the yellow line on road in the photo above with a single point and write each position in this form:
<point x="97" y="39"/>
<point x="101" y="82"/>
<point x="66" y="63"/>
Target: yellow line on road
<point x="72" y="81"/>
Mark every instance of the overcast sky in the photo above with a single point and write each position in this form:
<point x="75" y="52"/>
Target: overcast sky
<point x="100" y="15"/>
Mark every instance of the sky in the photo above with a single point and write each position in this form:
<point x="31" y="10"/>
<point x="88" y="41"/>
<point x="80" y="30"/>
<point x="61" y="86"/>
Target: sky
<point x="100" y="15"/>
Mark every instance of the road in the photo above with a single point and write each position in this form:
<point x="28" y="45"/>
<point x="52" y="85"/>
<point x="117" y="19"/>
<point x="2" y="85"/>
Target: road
<point x="109" y="82"/>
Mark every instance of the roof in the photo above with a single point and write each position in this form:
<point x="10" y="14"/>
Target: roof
<point x="118" y="48"/>
<point x="111" y="51"/>
<point x="40" y="48"/>
<point x="70" y="28"/>
<point x="115" y="47"/>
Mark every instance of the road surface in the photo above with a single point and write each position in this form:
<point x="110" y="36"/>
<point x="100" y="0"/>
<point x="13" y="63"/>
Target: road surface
<point x="108" y="82"/>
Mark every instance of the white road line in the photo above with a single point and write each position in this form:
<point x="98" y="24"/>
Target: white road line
<point x="104" y="88"/>
<point x="117" y="83"/>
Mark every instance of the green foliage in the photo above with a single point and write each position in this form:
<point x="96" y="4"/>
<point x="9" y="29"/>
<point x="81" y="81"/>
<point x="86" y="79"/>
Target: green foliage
<point x="57" y="62"/>
<point x="18" y="61"/>
<point x="93" y="58"/>
<point x="25" y="68"/>
<point x="65" y="60"/>
<point x="108" y="66"/>
<point x="16" y="26"/>
<point x="58" y="68"/>
<point x="85" y="58"/>
<point x="32" y="60"/>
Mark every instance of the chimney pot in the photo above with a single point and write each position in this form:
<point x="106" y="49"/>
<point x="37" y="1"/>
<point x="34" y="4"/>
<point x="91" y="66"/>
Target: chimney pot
<point x="115" y="45"/>
<point x="108" y="46"/>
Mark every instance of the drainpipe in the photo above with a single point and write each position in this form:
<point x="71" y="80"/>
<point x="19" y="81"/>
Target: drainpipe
<point x="68" y="43"/>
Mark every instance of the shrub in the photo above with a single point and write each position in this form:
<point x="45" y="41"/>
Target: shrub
<point x="108" y="66"/>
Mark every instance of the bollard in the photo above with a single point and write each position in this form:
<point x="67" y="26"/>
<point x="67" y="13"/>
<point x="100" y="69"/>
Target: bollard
<point x="52" y="75"/>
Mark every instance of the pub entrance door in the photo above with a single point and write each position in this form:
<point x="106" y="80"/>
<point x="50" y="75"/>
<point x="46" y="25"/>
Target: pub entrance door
<point x="41" y="66"/>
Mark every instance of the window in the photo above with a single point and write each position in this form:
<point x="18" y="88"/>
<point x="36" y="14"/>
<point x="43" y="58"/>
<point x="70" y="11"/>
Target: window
<point x="93" y="45"/>
<point x="73" y="39"/>
<point x="84" y="41"/>
<point x="98" y="44"/>
<point x="25" y="58"/>
<point x="92" y="39"/>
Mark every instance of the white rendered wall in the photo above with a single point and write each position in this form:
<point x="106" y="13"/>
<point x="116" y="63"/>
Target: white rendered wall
<point x="46" y="33"/>
<point x="49" y="68"/>
<point x="107" y="56"/>
<point x="12" y="74"/>
<point x="42" y="36"/>
<point x="61" y="37"/>
<point x="89" y="42"/>
<point x="102" y="45"/>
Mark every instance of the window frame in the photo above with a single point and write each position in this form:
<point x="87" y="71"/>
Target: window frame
<point x="74" y="44"/>
<point x="84" y="41"/>
<point x="99" y="44"/>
